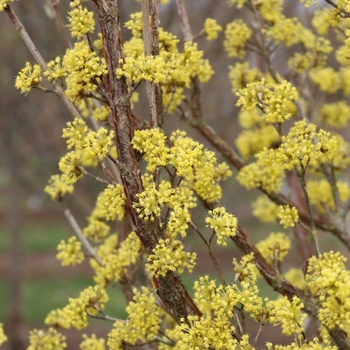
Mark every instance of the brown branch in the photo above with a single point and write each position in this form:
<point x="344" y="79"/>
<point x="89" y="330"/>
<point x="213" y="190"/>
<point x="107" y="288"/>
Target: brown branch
<point x="171" y="290"/>
<point x="150" y="34"/>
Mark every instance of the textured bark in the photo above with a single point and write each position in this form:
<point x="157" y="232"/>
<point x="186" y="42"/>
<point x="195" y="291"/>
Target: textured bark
<point x="170" y="288"/>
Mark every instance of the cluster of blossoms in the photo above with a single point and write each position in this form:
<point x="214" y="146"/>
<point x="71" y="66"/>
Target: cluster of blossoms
<point x="211" y="28"/>
<point x="172" y="68"/>
<point x="142" y="324"/>
<point x="88" y="147"/>
<point x="115" y="260"/>
<point x="257" y="134"/>
<point x="328" y="281"/>
<point x="70" y="252"/>
<point x="302" y="147"/>
<point x="3" y="337"/>
<point x="90" y="301"/>
<point x="275" y="247"/>
<point x="50" y="339"/>
<point x="321" y="196"/>
<point x="273" y="99"/>
<point x="28" y="77"/>
<point x="199" y="174"/>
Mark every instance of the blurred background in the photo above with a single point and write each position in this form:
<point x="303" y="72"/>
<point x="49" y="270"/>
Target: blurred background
<point x="32" y="282"/>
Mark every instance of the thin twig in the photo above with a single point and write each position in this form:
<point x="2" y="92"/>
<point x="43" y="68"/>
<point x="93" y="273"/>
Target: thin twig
<point x="210" y="252"/>
<point x="73" y="223"/>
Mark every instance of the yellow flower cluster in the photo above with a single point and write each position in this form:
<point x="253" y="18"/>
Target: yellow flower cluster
<point x="70" y="252"/>
<point x="3" y="337"/>
<point x="81" y="21"/>
<point x="191" y="161"/>
<point x="92" y="342"/>
<point x="169" y="255"/>
<point x="75" y="132"/>
<point x="287" y="216"/>
<point x="287" y="313"/>
<point x="69" y="166"/>
<point x="111" y="202"/>
<point x="315" y="344"/>
<point x="264" y="209"/>
<point x="223" y="223"/>
<point x="152" y="199"/>
<point x="90" y="300"/>
<point x="4" y="3"/>
<point x="241" y="74"/>
<point x="58" y="319"/>
<point x="275" y="247"/>
<point x="96" y="230"/>
<point x="256" y="175"/>
<point x="211" y="28"/>
<point x="320" y="194"/>
<point x="115" y="261"/>
<point x="101" y="114"/>
<point x="142" y="323"/>
<point x="335" y="114"/>
<point x="151" y="143"/>
<point x="327" y="79"/>
<point x="296" y="277"/>
<point x="328" y="281"/>
<point x="46" y="340"/>
<point x="251" y="142"/>
<point x="273" y="99"/>
<point x="59" y="185"/>
<point x="172" y="68"/>
<point x="237" y="33"/>
<point x="28" y="77"/>
<point x="98" y="143"/>
<point x="301" y="147"/>
<point x="205" y="333"/>
<point x="81" y="68"/>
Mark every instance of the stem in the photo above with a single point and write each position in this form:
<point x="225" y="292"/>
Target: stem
<point x="210" y="252"/>
<point x="312" y="230"/>
<point x="80" y="235"/>
<point x="184" y="21"/>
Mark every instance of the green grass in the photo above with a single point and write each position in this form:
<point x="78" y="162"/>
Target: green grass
<point x="37" y="238"/>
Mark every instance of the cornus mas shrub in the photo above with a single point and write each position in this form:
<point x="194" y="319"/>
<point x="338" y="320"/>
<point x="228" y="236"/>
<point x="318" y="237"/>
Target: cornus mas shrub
<point x="153" y="180"/>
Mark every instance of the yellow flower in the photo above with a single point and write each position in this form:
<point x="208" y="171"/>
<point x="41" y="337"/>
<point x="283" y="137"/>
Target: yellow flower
<point x="81" y="21"/>
<point x="287" y="313"/>
<point x="46" y="340"/>
<point x="3" y="337"/>
<point x="92" y="342"/>
<point x="4" y="3"/>
<point x="143" y="322"/>
<point x="98" y="143"/>
<point x="90" y="301"/>
<point x="223" y="223"/>
<point x="211" y="28"/>
<point x="287" y="216"/>
<point x="28" y="77"/>
<point x="70" y="252"/>
<point x="57" y="318"/>
<point x="111" y="202"/>
<point x="264" y="209"/>
<point x="59" y="185"/>
<point x="237" y="33"/>
<point x="335" y="114"/>
<point x="273" y="99"/>
<point x="275" y="247"/>
<point x="169" y="255"/>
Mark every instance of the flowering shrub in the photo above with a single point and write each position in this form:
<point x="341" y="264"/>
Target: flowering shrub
<point x="153" y="180"/>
